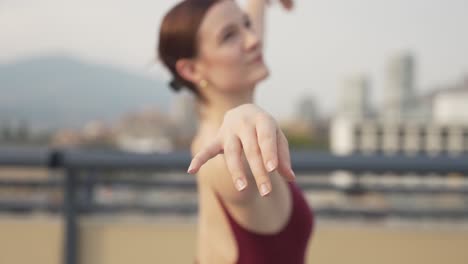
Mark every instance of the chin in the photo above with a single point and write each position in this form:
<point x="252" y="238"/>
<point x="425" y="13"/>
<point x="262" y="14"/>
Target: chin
<point x="261" y="74"/>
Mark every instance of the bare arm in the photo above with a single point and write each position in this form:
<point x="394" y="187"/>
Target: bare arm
<point x="256" y="11"/>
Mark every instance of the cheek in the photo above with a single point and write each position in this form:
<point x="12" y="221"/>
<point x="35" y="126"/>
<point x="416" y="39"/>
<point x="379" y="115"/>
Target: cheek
<point x="226" y="67"/>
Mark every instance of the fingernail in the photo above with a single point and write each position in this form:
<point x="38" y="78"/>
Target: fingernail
<point x="190" y="169"/>
<point x="240" y="184"/>
<point x="264" y="190"/>
<point x="293" y="174"/>
<point x="270" y="166"/>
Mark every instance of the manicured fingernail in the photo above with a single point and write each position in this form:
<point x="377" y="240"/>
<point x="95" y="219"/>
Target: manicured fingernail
<point x="293" y="174"/>
<point x="270" y="166"/>
<point x="264" y="190"/>
<point x="240" y="184"/>
<point x="190" y="169"/>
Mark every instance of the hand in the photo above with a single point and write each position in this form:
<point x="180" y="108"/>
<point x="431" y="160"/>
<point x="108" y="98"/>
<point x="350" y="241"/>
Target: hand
<point x="249" y="130"/>
<point x="287" y="4"/>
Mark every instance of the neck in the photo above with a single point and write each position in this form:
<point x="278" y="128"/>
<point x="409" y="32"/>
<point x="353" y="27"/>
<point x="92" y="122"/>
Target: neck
<point x="212" y="112"/>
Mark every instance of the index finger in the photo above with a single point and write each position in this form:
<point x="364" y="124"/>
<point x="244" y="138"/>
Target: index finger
<point x="207" y="153"/>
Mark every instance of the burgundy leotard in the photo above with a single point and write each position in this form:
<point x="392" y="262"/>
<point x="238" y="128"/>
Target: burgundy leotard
<point x="287" y="246"/>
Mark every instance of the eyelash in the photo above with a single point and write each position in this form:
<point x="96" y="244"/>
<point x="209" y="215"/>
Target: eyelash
<point x="232" y="33"/>
<point x="248" y="23"/>
<point x="229" y="35"/>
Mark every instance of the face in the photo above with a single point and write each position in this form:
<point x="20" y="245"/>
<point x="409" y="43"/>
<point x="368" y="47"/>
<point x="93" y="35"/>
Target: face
<point x="230" y="53"/>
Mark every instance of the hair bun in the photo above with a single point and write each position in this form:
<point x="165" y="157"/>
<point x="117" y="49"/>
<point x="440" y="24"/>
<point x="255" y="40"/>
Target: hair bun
<point x="175" y="85"/>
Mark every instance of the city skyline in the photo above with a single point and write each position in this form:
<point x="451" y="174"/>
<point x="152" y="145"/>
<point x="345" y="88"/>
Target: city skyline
<point x="323" y="42"/>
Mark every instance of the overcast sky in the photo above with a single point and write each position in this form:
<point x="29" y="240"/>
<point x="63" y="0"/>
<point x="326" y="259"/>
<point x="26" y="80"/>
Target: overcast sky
<point x="310" y="51"/>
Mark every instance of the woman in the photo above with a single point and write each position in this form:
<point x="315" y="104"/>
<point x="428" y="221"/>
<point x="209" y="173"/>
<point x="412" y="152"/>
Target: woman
<point x="250" y="209"/>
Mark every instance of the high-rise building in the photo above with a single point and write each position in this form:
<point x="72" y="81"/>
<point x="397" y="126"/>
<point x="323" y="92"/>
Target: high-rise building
<point x="399" y="88"/>
<point x="354" y="98"/>
<point x="307" y="109"/>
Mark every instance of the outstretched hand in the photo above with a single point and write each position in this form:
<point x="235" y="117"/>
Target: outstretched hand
<point x="287" y="4"/>
<point x="250" y="131"/>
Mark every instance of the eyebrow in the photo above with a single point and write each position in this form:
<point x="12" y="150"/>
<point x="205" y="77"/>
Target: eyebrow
<point x="225" y="29"/>
<point x="230" y="26"/>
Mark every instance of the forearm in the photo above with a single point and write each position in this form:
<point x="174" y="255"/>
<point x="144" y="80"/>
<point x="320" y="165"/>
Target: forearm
<point x="256" y="11"/>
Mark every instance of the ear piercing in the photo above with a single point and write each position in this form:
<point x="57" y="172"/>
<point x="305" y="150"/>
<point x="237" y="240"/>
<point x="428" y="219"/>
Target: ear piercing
<point x="203" y="83"/>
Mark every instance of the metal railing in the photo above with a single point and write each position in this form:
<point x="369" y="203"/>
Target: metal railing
<point x="73" y="162"/>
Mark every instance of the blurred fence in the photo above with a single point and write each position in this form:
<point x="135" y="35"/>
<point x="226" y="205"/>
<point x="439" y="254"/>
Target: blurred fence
<point x="81" y="173"/>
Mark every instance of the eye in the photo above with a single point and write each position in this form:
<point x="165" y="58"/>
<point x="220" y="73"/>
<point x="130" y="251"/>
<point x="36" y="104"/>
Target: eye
<point x="229" y="35"/>
<point x="248" y="23"/>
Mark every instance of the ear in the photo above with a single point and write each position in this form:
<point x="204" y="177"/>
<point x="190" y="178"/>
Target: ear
<point x="187" y="69"/>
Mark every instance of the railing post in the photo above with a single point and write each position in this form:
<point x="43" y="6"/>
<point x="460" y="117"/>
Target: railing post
<point x="88" y="188"/>
<point x="70" y="214"/>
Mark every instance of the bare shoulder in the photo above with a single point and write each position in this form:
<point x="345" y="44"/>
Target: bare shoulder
<point x="216" y="174"/>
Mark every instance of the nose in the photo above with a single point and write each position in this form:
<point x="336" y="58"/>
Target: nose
<point x="252" y="41"/>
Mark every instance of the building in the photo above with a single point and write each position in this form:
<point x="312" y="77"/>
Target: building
<point x="399" y="88"/>
<point x="354" y="98"/>
<point x="450" y="106"/>
<point x="434" y="123"/>
<point x="147" y="131"/>
<point x="307" y="110"/>
<point x="442" y="128"/>
<point x="410" y="138"/>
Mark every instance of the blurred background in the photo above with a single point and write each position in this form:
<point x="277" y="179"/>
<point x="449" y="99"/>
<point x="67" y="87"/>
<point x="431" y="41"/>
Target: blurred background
<point x="94" y="146"/>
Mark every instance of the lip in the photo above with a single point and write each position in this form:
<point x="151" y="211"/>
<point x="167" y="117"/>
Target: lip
<point x="258" y="59"/>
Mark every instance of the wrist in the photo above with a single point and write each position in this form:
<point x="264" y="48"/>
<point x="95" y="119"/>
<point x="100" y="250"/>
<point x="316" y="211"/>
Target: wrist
<point x="266" y="2"/>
